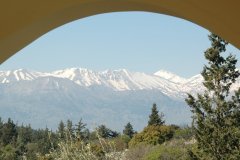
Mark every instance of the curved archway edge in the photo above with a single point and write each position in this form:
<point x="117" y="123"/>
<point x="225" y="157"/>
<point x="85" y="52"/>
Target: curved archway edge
<point x="24" y="21"/>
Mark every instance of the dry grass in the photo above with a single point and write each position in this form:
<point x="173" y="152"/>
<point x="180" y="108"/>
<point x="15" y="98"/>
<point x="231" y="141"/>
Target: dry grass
<point x="76" y="149"/>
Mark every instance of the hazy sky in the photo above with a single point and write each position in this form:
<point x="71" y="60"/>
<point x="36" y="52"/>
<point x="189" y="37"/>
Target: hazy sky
<point x="137" y="41"/>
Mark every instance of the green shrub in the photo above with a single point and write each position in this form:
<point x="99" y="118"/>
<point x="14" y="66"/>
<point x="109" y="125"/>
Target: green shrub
<point x="138" y="152"/>
<point x="167" y="153"/>
<point x="173" y="150"/>
<point x="8" y="152"/>
<point x="153" y="135"/>
<point x="185" y="133"/>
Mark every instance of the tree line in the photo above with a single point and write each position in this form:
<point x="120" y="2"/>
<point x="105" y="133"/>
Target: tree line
<point x="21" y="141"/>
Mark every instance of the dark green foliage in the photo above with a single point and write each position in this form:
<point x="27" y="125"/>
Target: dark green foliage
<point x="216" y="113"/>
<point x="105" y="132"/>
<point x="128" y="130"/>
<point x="70" y="128"/>
<point x="24" y="134"/>
<point x="81" y="131"/>
<point x="1" y="126"/>
<point x="44" y="141"/>
<point x="17" y="142"/>
<point x="154" y="117"/>
<point x="9" y="132"/>
<point x="61" y="129"/>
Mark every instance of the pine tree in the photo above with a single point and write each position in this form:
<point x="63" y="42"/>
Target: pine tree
<point x="9" y="132"/>
<point x="45" y="141"/>
<point x="24" y="134"/>
<point x="154" y="117"/>
<point x="216" y="114"/>
<point x="70" y="128"/>
<point x="80" y="129"/>
<point x="1" y="126"/>
<point x="105" y="132"/>
<point x="128" y="130"/>
<point x="61" y="130"/>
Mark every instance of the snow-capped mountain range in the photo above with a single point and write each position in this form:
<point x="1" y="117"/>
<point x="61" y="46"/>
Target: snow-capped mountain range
<point x="117" y="80"/>
<point x="111" y="97"/>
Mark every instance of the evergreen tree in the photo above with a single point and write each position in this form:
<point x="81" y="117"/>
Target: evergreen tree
<point x="61" y="129"/>
<point x="1" y="126"/>
<point x="1" y="122"/>
<point x="24" y="134"/>
<point x="105" y="132"/>
<point x="80" y="130"/>
<point x="70" y="128"/>
<point x="154" y="117"/>
<point x="216" y="113"/>
<point x="128" y="130"/>
<point x="44" y="143"/>
<point x="9" y="132"/>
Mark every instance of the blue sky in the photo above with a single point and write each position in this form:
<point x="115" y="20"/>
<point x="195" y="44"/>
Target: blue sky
<point x="137" y="41"/>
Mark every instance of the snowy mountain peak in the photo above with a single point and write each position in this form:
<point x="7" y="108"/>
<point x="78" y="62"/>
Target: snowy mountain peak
<point x="170" y="76"/>
<point x="16" y="75"/>
<point x="118" y="80"/>
<point x="109" y="71"/>
<point x="81" y="76"/>
<point x="195" y="79"/>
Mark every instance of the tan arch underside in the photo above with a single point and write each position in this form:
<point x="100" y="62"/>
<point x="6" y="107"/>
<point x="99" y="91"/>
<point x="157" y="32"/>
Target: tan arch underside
<point x="23" y="21"/>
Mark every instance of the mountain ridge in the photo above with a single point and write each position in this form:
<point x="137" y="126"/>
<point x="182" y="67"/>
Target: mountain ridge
<point x="118" y="80"/>
<point x="110" y="97"/>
